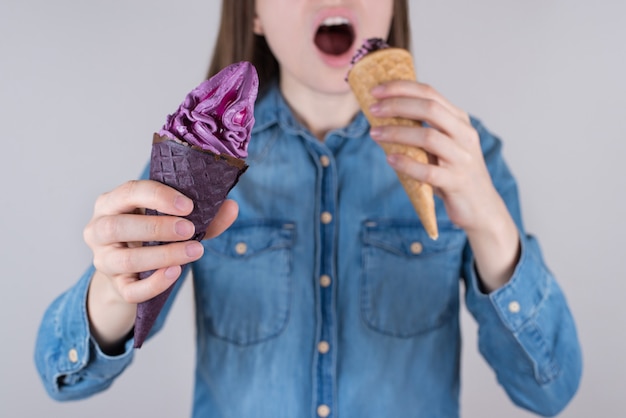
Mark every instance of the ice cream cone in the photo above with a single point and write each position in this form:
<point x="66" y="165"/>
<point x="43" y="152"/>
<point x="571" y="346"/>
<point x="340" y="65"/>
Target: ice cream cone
<point x="201" y="151"/>
<point x="204" y="177"/>
<point x="377" y="67"/>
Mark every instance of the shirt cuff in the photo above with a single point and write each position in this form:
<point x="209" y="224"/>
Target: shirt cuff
<point x="77" y="366"/>
<point x="518" y="300"/>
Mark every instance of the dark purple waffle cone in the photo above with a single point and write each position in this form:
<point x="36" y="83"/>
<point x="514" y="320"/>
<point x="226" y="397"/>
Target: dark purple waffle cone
<point x="204" y="177"/>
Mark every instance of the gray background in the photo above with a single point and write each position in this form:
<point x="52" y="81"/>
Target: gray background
<point x="84" y="84"/>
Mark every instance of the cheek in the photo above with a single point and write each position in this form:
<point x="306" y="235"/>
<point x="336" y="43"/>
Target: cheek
<point x="284" y="40"/>
<point x="379" y="14"/>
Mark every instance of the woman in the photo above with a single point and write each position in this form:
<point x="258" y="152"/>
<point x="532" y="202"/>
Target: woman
<point x="326" y="297"/>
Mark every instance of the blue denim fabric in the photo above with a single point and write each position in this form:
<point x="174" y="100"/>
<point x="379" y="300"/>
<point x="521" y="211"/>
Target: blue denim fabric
<point x="390" y="314"/>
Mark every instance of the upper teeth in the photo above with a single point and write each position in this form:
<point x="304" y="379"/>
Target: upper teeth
<point x="335" y="21"/>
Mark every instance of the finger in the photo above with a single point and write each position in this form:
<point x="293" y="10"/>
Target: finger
<point x="430" y="140"/>
<point x="225" y="217"/>
<point x="143" y="194"/>
<point x="136" y="291"/>
<point x="425" y="110"/>
<point x="132" y="228"/>
<point x="418" y="90"/>
<point x="426" y="173"/>
<point x="127" y="261"/>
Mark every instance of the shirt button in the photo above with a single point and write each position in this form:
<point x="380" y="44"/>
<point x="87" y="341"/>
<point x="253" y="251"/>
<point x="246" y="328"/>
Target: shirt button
<point x="325" y="280"/>
<point x="241" y="248"/>
<point x="323" y="347"/>
<point x="514" y="307"/>
<point x="325" y="161"/>
<point x="323" y="411"/>
<point x="73" y="355"/>
<point x="326" y="217"/>
<point x="416" y="247"/>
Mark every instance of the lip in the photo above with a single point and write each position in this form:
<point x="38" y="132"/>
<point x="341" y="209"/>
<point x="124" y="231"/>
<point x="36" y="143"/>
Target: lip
<point x="336" y="61"/>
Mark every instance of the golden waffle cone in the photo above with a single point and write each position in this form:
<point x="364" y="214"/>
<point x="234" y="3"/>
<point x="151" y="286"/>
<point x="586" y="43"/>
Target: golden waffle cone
<point x="378" y="67"/>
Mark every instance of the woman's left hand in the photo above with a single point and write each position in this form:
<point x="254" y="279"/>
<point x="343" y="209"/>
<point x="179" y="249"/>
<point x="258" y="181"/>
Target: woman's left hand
<point x="458" y="173"/>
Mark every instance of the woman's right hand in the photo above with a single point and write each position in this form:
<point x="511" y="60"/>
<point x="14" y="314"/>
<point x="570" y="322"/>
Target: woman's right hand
<point x="115" y="235"/>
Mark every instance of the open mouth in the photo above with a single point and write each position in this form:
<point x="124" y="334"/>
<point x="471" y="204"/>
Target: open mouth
<point x="335" y="36"/>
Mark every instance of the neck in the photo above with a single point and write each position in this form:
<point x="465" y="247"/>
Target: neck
<point x="320" y="112"/>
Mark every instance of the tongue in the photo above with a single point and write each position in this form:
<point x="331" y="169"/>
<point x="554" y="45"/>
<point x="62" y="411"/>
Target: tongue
<point x="335" y="40"/>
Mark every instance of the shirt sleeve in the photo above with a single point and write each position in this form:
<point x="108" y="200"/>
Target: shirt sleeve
<point x="526" y="331"/>
<point x="68" y="359"/>
<point x="69" y="362"/>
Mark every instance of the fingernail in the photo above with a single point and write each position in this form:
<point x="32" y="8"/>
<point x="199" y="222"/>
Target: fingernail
<point x="182" y="203"/>
<point x="194" y="249"/>
<point x="392" y="159"/>
<point x="376" y="133"/>
<point x="172" y="273"/>
<point x="375" y="108"/>
<point x="184" y="228"/>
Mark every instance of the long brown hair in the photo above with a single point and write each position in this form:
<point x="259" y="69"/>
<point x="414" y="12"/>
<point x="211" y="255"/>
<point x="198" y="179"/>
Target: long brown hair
<point x="237" y="42"/>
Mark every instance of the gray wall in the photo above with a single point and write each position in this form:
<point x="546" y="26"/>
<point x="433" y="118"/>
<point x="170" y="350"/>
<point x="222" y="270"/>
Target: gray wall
<point x="84" y="84"/>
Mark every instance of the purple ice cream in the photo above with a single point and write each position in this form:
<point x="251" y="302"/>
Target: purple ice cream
<point x="200" y="152"/>
<point x="369" y="45"/>
<point x="218" y="115"/>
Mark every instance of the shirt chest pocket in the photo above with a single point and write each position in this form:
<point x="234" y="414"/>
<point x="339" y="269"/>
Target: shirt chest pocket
<point x="243" y="290"/>
<point x="410" y="283"/>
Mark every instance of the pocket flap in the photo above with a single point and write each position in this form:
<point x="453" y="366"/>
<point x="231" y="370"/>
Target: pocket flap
<point x="408" y="238"/>
<point x="246" y="239"/>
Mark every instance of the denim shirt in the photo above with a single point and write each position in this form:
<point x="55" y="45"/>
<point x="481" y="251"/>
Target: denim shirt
<point x="327" y="298"/>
